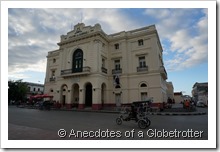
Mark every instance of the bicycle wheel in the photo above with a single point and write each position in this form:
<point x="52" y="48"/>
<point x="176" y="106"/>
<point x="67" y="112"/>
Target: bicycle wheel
<point x="148" y="122"/>
<point x="142" y="124"/>
<point x="118" y="121"/>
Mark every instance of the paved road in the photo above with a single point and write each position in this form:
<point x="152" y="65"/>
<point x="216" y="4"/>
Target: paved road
<point x="33" y="124"/>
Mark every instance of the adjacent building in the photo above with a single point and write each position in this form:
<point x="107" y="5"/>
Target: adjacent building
<point x="93" y="69"/>
<point x="187" y="97"/>
<point x="34" y="89"/>
<point x="178" y="97"/>
<point x="200" y="92"/>
<point x="170" y="90"/>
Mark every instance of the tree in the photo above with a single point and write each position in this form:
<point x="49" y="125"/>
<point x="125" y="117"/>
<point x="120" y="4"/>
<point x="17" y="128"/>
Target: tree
<point x="17" y="90"/>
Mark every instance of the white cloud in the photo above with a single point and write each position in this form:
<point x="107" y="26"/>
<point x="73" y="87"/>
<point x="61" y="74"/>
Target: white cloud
<point x="16" y="69"/>
<point x="34" y="32"/>
<point x="187" y="34"/>
<point x="158" y="13"/>
<point x="16" y="76"/>
<point x="179" y="41"/>
<point x="111" y="20"/>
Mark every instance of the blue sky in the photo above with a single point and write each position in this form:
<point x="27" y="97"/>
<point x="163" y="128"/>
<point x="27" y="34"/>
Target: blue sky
<point x="183" y="34"/>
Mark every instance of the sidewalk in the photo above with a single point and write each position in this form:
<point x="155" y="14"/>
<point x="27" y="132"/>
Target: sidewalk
<point x="174" y="111"/>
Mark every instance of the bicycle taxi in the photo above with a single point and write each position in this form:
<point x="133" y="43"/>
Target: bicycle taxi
<point x="137" y="112"/>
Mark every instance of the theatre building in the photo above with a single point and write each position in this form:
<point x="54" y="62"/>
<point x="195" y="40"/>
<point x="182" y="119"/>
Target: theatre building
<point x="93" y="69"/>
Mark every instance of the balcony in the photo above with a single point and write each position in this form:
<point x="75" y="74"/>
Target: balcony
<point x="116" y="71"/>
<point x="104" y="70"/>
<point x="163" y="72"/>
<point x="52" y="79"/>
<point x="142" y="69"/>
<point x="71" y="72"/>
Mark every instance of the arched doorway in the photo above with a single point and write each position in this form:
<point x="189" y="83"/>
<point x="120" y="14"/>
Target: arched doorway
<point x="88" y="95"/>
<point x="103" y="94"/>
<point x="77" y="61"/>
<point x="63" y="97"/>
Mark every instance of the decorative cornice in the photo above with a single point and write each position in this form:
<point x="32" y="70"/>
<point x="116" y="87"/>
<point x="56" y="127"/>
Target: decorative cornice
<point x="112" y="37"/>
<point x="82" y="37"/>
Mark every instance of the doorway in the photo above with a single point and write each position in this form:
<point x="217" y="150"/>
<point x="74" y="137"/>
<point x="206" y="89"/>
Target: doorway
<point x="64" y="100"/>
<point x="143" y="96"/>
<point x="88" y="97"/>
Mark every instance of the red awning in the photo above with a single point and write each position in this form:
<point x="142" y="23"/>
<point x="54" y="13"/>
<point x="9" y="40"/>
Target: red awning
<point x="41" y="96"/>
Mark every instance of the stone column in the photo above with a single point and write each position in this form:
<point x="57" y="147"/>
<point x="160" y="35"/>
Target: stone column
<point x="96" y="99"/>
<point x="68" y="99"/>
<point x="81" y="99"/>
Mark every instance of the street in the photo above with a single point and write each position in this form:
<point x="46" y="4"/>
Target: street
<point x="34" y="124"/>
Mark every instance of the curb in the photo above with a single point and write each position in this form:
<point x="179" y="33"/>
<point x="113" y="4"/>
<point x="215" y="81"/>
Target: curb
<point x="118" y="112"/>
<point x="97" y="111"/>
<point x="178" y="114"/>
<point x="151" y="113"/>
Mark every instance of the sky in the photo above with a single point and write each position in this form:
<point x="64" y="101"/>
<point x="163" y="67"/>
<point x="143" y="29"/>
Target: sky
<point x="183" y="33"/>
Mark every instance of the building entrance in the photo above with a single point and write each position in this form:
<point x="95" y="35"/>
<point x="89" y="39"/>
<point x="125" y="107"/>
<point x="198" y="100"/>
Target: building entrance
<point x="64" y="100"/>
<point x="88" y="97"/>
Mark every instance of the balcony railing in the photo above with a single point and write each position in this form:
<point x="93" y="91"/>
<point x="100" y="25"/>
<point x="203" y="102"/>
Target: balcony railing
<point x="71" y="72"/>
<point x="104" y="70"/>
<point x="163" y="72"/>
<point x="142" y="69"/>
<point x="52" y="79"/>
<point x="116" y="71"/>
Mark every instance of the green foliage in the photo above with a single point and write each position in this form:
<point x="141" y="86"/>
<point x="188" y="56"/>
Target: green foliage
<point x="17" y="90"/>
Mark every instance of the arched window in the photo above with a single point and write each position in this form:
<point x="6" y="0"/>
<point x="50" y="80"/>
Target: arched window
<point x="143" y="85"/>
<point x="77" y="61"/>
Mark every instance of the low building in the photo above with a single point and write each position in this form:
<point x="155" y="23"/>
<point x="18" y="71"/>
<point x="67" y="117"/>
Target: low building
<point x="93" y="69"/>
<point x="34" y="89"/>
<point x="178" y="97"/>
<point x="170" y="92"/>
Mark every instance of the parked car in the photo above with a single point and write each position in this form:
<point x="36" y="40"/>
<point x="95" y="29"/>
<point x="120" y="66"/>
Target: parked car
<point x="200" y="104"/>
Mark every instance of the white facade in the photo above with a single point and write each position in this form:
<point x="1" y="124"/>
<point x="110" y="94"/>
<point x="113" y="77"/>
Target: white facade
<point x="178" y="97"/>
<point x="98" y="70"/>
<point x="170" y="92"/>
<point x="34" y="88"/>
<point x="200" y="92"/>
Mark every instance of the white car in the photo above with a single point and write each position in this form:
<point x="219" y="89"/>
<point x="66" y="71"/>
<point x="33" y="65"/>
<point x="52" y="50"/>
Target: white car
<point x="200" y="104"/>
